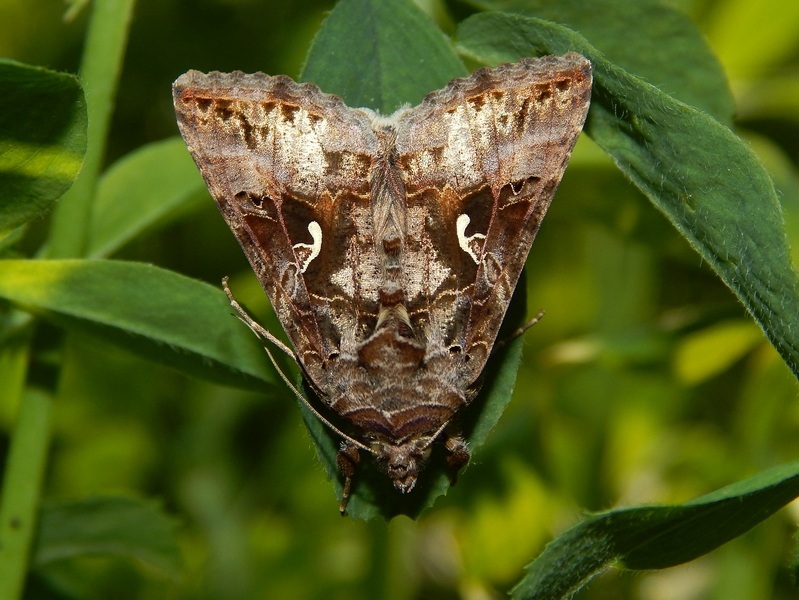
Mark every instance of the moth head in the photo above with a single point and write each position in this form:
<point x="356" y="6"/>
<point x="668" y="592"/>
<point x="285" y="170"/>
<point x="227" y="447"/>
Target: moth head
<point x="402" y="462"/>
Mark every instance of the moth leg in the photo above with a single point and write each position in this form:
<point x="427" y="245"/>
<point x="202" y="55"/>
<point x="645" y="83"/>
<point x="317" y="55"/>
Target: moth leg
<point x="458" y="455"/>
<point x="518" y="332"/>
<point x="254" y="326"/>
<point x="347" y="460"/>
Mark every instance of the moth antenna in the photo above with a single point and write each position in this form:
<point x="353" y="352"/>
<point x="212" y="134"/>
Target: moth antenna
<point x="310" y="407"/>
<point x="435" y="436"/>
<point x="520" y="331"/>
<point x="261" y="332"/>
<point x="254" y="326"/>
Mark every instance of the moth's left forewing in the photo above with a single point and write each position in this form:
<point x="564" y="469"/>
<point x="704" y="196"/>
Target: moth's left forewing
<point x="481" y="160"/>
<point x="288" y="166"/>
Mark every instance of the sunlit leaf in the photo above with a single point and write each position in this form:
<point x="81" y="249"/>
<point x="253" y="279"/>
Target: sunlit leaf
<point x="42" y="140"/>
<point x="158" y="314"/>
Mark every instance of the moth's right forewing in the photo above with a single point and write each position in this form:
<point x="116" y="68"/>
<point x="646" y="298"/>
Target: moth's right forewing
<point x="483" y="157"/>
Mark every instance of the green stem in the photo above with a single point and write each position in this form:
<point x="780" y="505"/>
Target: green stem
<point x="24" y="472"/>
<point x="27" y="459"/>
<point x="100" y="68"/>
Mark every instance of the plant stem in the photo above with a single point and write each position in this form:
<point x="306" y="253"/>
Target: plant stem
<point x="100" y="68"/>
<point x="27" y="459"/>
<point x="24" y="473"/>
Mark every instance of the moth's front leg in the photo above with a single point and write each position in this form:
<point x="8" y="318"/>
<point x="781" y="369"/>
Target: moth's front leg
<point x="347" y="460"/>
<point x="458" y="455"/>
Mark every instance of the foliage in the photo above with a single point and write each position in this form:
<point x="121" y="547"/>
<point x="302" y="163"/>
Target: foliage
<point x="648" y="381"/>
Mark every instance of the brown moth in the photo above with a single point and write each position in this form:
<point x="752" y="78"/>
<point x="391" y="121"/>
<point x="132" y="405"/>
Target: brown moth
<point x="389" y="246"/>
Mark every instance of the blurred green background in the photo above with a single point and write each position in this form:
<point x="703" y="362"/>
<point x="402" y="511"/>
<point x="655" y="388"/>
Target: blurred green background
<point x="645" y="382"/>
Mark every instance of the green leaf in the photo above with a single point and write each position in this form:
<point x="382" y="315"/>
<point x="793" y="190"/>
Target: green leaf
<point x="145" y="189"/>
<point x="656" y="537"/>
<point x="380" y="54"/>
<point x="373" y="493"/>
<point x="696" y="171"/>
<point x="124" y="527"/>
<point x="158" y="314"/>
<point x="647" y="38"/>
<point x="42" y="140"/>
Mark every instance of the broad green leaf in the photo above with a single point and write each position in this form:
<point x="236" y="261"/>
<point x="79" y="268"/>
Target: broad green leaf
<point x="108" y="526"/>
<point x="42" y="140"/>
<point x="141" y="191"/>
<point x="647" y="38"/>
<point x="158" y="314"/>
<point x="696" y="171"/>
<point x="656" y="537"/>
<point x="380" y="54"/>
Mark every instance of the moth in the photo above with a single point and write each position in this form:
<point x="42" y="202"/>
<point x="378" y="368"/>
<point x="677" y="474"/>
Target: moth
<point x="389" y="246"/>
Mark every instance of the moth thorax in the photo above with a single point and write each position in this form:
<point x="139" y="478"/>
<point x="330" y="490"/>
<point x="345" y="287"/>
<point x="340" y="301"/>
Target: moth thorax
<point x="388" y="199"/>
<point x="402" y="462"/>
